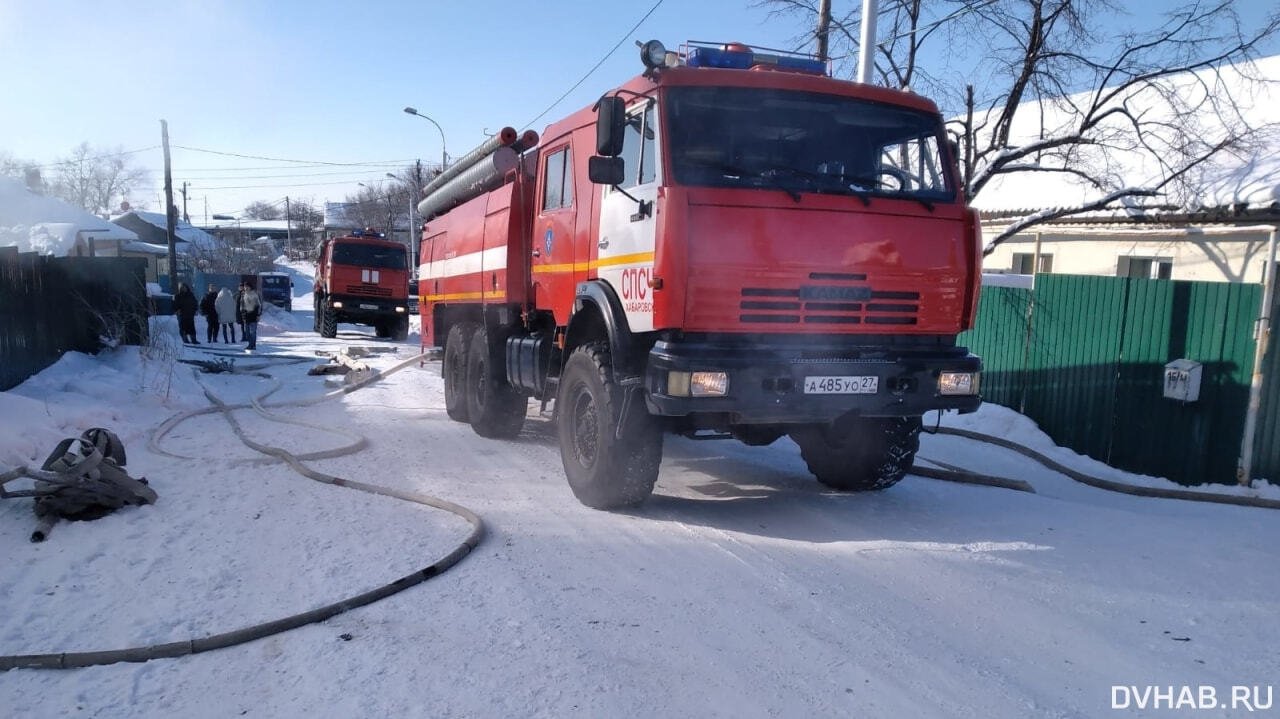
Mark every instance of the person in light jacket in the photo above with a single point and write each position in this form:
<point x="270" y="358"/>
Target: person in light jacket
<point x="226" y="306"/>
<point x="209" y="309"/>
<point x="251" y="308"/>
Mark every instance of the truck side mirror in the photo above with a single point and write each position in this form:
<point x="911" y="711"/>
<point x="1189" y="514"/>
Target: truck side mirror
<point x="611" y="119"/>
<point x="606" y="170"/>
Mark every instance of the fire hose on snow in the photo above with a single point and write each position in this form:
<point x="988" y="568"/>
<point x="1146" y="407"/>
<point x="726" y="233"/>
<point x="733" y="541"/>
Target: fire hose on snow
<point x="67" y="660"/>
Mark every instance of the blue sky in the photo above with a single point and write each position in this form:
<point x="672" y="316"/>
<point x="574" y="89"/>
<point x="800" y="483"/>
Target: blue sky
<point x="320" y="80"/>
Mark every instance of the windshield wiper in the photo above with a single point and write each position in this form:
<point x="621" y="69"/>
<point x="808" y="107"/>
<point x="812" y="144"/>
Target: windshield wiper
<point x="735" y="171"/>
<point x="830" y="181"/>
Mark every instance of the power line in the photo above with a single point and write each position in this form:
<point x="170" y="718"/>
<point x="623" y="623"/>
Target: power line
<point x="597" y="65"/>
<point x="294" y="184"/>
<point x="282" y="159"/>
<point x="341" y="173"/>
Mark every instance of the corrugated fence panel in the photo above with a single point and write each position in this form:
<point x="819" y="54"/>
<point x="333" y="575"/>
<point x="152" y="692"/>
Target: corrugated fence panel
<point x="1266" y="445"/>
<point x="1071" y="372"/>
<point x="50" y="306"/>
<point x="1093" y="375"/>
<point x="999" y="339"/>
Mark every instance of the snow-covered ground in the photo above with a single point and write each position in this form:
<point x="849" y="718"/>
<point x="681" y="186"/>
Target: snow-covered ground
<point x="742" y="588"/>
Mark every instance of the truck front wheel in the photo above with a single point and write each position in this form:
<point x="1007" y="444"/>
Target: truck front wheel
<point x="607" y="469"/>
<point x="328" y="321"/>
<point x="454" y="369"/>
<point x="865" y="455"/>
<point x="400" y="329"/>
<point x="495" y="408"/>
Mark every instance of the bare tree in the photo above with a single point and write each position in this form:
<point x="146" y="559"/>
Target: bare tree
<point x="1062" y="91"/>
<point x="96" y="180"/>
<point x="262" y="210"/>
<point x="305" y="220"/>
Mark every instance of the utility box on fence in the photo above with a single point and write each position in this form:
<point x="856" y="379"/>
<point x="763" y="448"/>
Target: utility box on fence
<point x="1182" y="380"/>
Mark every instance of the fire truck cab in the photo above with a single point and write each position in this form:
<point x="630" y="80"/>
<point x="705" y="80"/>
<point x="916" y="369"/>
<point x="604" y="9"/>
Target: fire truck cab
<point x="362" y="278"/>
<point x="732" y="244"/>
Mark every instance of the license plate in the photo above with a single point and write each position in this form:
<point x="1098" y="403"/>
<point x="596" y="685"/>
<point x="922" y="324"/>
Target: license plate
<point x="844" y="384"/>
<point x="368" y="307"/>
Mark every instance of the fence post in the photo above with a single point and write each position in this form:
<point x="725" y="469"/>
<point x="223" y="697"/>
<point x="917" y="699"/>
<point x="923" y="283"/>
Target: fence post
<point x="1262" y="333"/>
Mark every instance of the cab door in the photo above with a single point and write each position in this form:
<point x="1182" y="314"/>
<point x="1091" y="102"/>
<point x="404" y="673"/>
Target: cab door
<point x="628" y="229"/>
<point x="553" y="260"/>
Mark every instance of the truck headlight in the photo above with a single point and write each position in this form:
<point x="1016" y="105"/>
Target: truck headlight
<point x="400" y="309"/>
<point x="709" y="384"/>
<point x="337" y="305"/>
<point x="697" y="384"/>
<point x="958" y="383"/>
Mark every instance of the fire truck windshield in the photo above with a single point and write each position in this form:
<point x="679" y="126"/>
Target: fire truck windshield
<point x="364" y="255"/>
<point x="804" y="142"/>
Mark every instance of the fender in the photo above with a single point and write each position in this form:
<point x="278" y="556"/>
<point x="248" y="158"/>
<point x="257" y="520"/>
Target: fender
<point x="604" y="299"/>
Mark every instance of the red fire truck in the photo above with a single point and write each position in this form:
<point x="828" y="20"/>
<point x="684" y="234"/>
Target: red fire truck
<point x="732" y="244"/>
<point x="362" y="278"/>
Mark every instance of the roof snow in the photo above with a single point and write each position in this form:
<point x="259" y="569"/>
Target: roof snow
<point x="43" y="224"/>
<point x="1249" y="176"/>
<point x="184" y="231"/>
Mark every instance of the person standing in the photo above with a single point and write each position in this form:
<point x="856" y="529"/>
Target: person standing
<point x="226" y="307"/>
<point x="239" y="314"/>
<point x="208" y="308"/>
<point x="251" y="308"/>
<point x="184" y="304"/>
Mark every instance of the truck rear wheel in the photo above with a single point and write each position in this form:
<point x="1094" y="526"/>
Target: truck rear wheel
<point x="495" y="408"/>
<point x="454" y="370"/>
<point x="606" y="469"/>
<point x="866" y="455"/>
<point x="315" y="315"/>
<point x="328" y="321"/>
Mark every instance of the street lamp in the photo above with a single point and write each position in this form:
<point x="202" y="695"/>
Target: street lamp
<point x="444" y="155"/>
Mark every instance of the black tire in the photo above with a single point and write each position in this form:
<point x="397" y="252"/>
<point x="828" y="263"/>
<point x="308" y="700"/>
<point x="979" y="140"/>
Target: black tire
<point x="454" y="370"/>
<point x="315" y="315"/>
<point x="495" y="409"/>
<point x="328" y="322"/>
<point x="400" y="330"/>
<point x="604" y="471"/>
<point x="381" y="328"/>
<point x="866" y="455"/>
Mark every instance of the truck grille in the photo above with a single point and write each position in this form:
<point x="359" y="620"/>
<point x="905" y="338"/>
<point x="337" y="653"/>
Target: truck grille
<point x="828" y="304"/>
<point x="369" y="290"/>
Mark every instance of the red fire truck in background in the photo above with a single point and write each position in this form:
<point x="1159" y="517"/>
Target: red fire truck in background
<point x="362" y="278"/>
<point x="733" y="244"/>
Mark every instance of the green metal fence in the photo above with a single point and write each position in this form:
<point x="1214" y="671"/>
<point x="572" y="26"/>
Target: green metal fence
<point x="1084" y="357"/>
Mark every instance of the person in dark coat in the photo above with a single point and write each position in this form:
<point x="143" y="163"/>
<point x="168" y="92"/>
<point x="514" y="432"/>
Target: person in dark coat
<point x="239" y="314"/>
<point x="184" y="304"/>
<point x="209" y="308"/>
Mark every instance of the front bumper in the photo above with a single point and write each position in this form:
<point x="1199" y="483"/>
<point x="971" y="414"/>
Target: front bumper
<point x="357" y="309"/>
<point x="766" y="378"/>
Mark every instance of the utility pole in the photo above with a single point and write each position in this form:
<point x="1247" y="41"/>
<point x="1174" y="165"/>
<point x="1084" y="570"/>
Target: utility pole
<point x="169" y="210"/>
<point x="824" y="28"/>
<point x="185" y="217"/>
<point x="867" y="44"/>
<point x="288" y="228"/>
<point x="206" y="209"/>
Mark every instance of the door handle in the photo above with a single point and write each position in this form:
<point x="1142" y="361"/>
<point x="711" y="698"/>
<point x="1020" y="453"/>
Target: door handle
<point x="603" y="244"/>
<point x="537" y="253"/>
